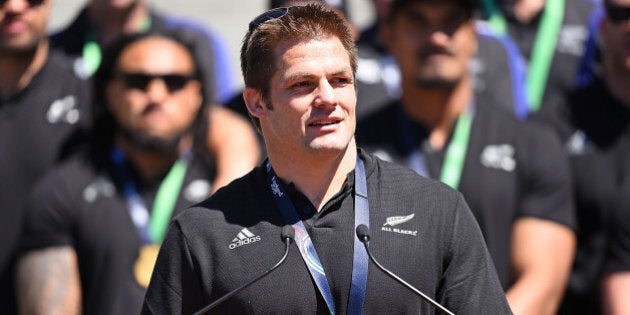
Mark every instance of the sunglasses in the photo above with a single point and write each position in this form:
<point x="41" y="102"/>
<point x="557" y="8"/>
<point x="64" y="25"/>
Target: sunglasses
<point x="271" y="14"/>
<point x="32" y="3"/>
<point x="140" y="81"/>
<point x="617" y="13"/>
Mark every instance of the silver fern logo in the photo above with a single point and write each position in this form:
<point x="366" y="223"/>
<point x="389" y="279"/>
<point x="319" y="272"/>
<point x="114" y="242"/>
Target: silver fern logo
<point x="391" y="222"/>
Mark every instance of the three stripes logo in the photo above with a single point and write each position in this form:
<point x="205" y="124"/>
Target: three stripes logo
<point x="244" y="237"/>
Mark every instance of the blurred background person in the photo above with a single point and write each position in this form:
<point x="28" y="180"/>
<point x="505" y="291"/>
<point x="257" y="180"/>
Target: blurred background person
<point x="101" y="21"/>
<point x="43" y="108"/>
<point x="95" y="223"/>
<point x="594" y="126"/>
<point x="553" y="36"/>
<point x="513" y="174"/>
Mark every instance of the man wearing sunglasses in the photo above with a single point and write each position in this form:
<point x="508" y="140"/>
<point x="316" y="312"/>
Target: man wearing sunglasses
<point x="299" y="67"/>
<point x="95" y="223"/>
<point x="43" y="105"/>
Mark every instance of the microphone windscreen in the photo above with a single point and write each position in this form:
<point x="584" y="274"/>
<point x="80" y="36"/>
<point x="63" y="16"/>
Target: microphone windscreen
<point x="363" y="232"/>
<point x="288" y="232"/>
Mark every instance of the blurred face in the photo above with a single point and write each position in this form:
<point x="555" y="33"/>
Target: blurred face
<point x="615" y="34"/>
<point x="22" y="24"/>
<point x="153" y="95"/>
<point x="433" y="42"/>
<point x="313" y="98"/>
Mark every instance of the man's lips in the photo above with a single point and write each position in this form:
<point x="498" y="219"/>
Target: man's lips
<point x="324" y="122"/>
<point x="14" y="27"/>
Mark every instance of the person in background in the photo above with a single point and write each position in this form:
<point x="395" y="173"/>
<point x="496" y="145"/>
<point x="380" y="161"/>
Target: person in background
<point x="44" y="107"/>
<point x="498" y="68"/>
<point x="94" y="224"/>
<point x="513" y="174"/>
<point x="593" y="124"/>
<point x="102" y="21"/>
<point x="299" y="67"/>
<point x="556" y="39"/>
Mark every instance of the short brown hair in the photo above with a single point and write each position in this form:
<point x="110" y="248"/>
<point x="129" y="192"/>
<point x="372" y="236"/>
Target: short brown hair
<point x="298" y="23"/>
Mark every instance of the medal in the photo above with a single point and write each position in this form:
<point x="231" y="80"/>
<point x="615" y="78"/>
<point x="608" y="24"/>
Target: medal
<point x="143" y="268"/>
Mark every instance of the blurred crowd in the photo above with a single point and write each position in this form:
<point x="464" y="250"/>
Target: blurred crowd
<point x="127" y="116"/>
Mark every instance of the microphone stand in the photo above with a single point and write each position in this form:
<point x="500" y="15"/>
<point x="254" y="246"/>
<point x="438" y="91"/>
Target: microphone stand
<point x="287" y="239"/>
<point x="364" y="236"/>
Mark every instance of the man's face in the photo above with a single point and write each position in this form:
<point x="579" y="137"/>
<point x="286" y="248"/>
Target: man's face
<point x="615" y="34"/>
<point x="433" y="42"/>
<point x="23" y="24"/>
<point x="313" y="99"/>
<point x="152" y="95"/>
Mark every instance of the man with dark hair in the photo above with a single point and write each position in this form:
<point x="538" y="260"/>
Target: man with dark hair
<point x="94" y="224"/>
<point x="513" y="175"/>
<point x="43" y="108"/>
<point x="299" y="68"/>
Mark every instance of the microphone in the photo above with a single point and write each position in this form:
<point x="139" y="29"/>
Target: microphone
<point x="363" y="233"/>
<point x="287" y="235"/>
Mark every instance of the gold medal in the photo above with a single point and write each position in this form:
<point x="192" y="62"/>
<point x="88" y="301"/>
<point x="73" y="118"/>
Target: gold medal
<point x="143" y="268"/>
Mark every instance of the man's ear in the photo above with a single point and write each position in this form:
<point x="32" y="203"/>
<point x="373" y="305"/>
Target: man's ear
<point x="254" y="102"/>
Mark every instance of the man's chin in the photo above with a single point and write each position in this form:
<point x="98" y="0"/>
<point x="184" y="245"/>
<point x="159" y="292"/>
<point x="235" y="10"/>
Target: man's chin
<point x="151" y="143"/>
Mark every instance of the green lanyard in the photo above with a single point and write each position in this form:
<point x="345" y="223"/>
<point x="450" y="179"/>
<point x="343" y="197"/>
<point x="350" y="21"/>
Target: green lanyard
<point x="455" y="155"/>
<point x="544" y="45"/>
<point x="92" y="55"/>
<point x="165" y="200"/>
<point x="456" y="151"/>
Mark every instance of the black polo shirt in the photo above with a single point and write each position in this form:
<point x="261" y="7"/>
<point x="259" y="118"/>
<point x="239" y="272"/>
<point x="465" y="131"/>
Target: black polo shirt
<point x="511" y="170"/>
<point x="81" y="204"/>
<point x="37" y="126"/>
<point x="442" y="253"/>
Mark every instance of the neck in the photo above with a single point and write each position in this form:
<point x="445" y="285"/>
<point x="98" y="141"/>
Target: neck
<point x="318" y="177"/>
<point x="437" y="109"/>
<point x="111" y="22"/>
<point x="526" y="10"/>
<point x="151" y="165"/>
<point x="617" y="78"/>
<point x="19" y="68"/>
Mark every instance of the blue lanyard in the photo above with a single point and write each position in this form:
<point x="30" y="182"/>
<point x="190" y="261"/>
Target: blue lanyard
<point x="305" y="245"/>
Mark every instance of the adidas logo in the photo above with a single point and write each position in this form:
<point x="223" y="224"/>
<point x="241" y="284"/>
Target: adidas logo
<point x="243" y="237"/>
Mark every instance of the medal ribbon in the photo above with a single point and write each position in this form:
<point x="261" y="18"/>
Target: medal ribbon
<point x="544" y="45"/>
<point x="151" y="227"/>
<point x="455" y="153"/>
<point x="307" y="249"/>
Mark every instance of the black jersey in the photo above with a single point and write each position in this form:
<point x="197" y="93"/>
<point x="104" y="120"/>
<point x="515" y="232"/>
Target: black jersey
<point x="38" y="125"/>
<point x="81" y="204"/>
<point x="511" y="170"/>
<point x="438" y="249"/>
<point x="591" y="125"/>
